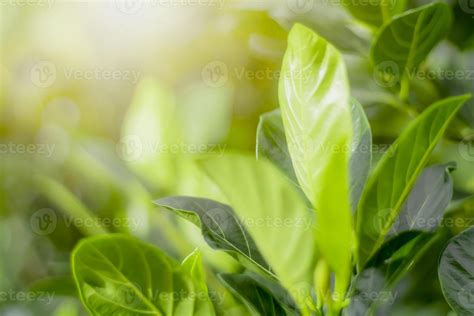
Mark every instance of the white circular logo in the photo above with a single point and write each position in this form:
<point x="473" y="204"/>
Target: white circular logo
<point x="467" y="6"/>
<point x="129" y="6"/>
<point x="215" y="74"/>
<point x="43" y="74"/>
<point x="130" y="148"/>
<point x="43" y="222"/>
<point x="386" y="74"/>
<point x="466" y="149"/>
<point x="300" y="6"/>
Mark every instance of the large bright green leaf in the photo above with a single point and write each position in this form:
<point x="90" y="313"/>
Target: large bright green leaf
<point x="316" y="112"/>
<point x="394" y="177"/>
<point x="456" y="273"/>
<point x="274" y="214"/>
<point x="220" y="227"/>
<point x="405" y="42"/>
<point x="120" y="275"/>
<point x="271" y="144"/>
<point x="375" y="12"/>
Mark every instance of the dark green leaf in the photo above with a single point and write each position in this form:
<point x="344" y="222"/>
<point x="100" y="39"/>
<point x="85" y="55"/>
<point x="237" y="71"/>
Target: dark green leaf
<point x="271" y="143"/>
<point x="395" y="175"/>
<point x="456" y="273"/>
<point x="406" y="41"/>
<point x="220" y="227"/>
<point x="375" y="12"/>
<point x="258" y="299"/>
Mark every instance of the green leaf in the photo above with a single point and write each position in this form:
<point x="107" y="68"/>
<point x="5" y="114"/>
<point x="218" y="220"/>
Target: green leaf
<point x="58" y="285"/>
<point x="427" y="201"/>
<point x="361" y="152"/>
<point x="271" y="143"/>
<point x="456" y="273"/>
<point x="257" y="299"/>
<point x="316" y="113"/>
<point x="406" y="41"/>
<point x="117" y="274"/>
<point x="275" y="215"/>
<point x="375" y="12"/>
<point x="192" y="267"/>
<point x="391" y="182"/>
<point x="220" y="227"/>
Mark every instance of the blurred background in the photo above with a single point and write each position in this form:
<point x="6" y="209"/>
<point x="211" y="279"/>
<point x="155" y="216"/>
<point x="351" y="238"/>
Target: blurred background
<point x="105" y="106"/>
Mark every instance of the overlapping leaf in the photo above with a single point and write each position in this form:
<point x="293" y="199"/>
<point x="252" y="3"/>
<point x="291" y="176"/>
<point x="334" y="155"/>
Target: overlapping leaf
<point x="405" y="42"/>
<point x="456" y="273"/>
<point x="396" y="173"/>
<point x="274" y="214"/>
<point x="374" y="12"/>
<point x="220" y="227"/>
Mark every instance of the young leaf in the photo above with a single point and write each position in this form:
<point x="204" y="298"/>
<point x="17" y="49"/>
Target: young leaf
<point x="375" y="12"/>
<point x="257" y="299"/>
<point x="396" y="173"/>
<point x="361" y="152"/>
<point x="456" y="273"/>
<point x="271" y="143"/>
<point x="404" y="43"/>
<point x="274" y="214"/>
<point x="316" y="113"/>
<point x="192" y="268"/>
<point x="220" y="227"/>
<point x="117" y="274"/>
